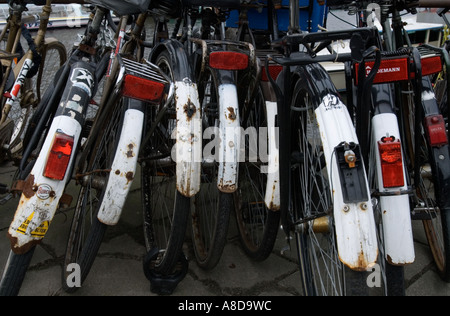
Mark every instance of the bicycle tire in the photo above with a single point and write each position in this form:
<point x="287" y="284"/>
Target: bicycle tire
<point x="158" y="172"/>
<point x="14" y="273"/>
<point x="258" y="226"/>
<point x="54" y="55"/>
<point x="86" y="232"/>
<point x="312" y="198"/>
<point x="211" y="209"/>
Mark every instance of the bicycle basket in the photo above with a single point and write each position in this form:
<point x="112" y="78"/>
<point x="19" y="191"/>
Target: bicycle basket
<point x="123" y="7"/>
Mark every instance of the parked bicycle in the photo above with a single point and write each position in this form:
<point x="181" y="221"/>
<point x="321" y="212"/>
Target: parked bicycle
<point x="24" y="75"/>
<point x="52" y="144"/>
<point x="143" y="106"/>
<point x="400" y="116"/>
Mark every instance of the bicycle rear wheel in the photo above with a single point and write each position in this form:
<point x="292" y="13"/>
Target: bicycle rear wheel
<point x="431" y="181"/>
<point x="86" y="232"/>
<point x="166" y="210"/>
<point x="211" y="208"/>
<point x="321" y="270"/>
<point x="258" y="226"/>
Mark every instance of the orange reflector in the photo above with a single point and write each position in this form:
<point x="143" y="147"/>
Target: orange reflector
<point x="391" y="162"/>
<point x="228" y="60"/>
<point x="59" y="156"/>
<point x="142" y="89"/>
<point x="437" y="135"/>
<point x="390" y="70"/>
<point x="274" y="71"/>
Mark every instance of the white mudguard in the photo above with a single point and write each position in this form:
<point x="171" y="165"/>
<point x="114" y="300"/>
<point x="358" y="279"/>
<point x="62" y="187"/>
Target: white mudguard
<point x="188" y="135"/>
<point x="272" y="196"/>
<point x="230" y="138"/>
<point x="354" y="222"/>
<point x="41" y="195"/>
<point x="123" y="168"/>
<point x="395" y="210"/>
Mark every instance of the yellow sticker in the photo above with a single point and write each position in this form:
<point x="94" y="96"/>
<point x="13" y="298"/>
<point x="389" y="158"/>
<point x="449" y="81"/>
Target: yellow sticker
<point x="41" y="230"/>
<point x="24" y="226"/>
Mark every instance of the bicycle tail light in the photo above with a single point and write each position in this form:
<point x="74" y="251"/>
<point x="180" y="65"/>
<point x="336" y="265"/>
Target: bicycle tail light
<point x="142" y="81"/>
<point x="59" y="156"/>
<point x="228" y="60"/>
<point x="390" y="151"/>
<point x="431" y="65"/>
<point x="437" y="134"/>
<point x="142" y="89"/>
<point x="274" y="71"/>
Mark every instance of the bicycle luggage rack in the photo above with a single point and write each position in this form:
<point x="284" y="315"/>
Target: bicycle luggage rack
<point x="143" y="81"/>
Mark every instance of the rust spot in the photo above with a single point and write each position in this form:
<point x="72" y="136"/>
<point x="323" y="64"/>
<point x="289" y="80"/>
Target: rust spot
<point x="129" y="176"/>
<point x="189" y="109"/>
<point x="117" y="171"/>
<point x="130" y="150"/>
<point x="231" y="114"/>
<point x="24" y="248"/>
<point x="28" y="186"/>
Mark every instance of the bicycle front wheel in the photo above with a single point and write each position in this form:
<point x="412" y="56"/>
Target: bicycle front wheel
<point x="53" y="55"/>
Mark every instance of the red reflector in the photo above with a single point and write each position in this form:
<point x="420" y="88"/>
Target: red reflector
<point x="274" y="71"/>
<point x="431" y="65"/>
<point x="228" y="60"/>
<point x="391" y="162"/>
<point x="437" y="135"/>
<point x="59" y="156"/>
<point x="142" y="89"/>
<point x="390" y="70"/>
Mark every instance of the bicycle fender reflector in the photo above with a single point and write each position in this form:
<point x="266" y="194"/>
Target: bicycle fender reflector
<point x="59" y="156"/>
<point x="437" y="135"/>
<point x="390" y="70"/>
<point x="228" y="60"/>
<point x="142" y="89"/>
<point x="274" y="71"/>
<point x="391" y="162"/>
<point x="431" y="65"/>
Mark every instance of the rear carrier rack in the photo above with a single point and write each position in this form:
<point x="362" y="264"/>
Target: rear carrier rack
<point x="143" y="81"/>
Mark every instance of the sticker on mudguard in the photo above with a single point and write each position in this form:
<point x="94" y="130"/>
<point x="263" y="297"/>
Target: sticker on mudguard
<point x="24" y="226"/>
<point x="39" y="232"/>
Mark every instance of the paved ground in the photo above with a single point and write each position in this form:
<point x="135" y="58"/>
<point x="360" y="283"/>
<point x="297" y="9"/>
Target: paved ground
<point x="118" y="267"/>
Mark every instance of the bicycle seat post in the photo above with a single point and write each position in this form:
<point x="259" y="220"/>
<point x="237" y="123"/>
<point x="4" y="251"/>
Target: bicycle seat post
<point x="294" y="8"/>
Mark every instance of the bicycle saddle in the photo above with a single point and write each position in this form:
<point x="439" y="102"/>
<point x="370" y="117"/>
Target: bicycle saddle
<point x="231" y="4"/>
